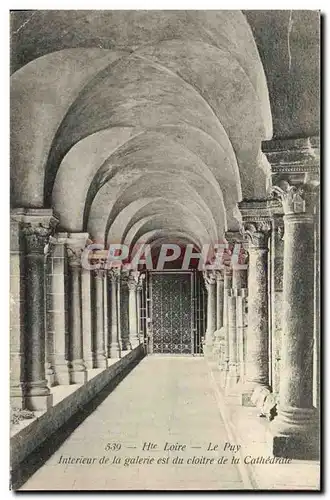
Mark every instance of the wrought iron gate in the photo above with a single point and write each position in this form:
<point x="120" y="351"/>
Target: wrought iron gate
<point x="173" y="312"/>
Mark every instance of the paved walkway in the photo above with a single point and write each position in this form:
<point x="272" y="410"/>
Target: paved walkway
<point x="163" y="400"/>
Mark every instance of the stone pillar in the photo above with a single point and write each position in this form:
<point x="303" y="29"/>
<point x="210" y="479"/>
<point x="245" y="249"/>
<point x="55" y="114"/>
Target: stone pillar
<point x="115" y="345"/>
<point x="37" y="226"/>
<point x="239" y="290"/>
<point x="224" y="364"/>
<point x="17" y="360"/>
<point x="49" y="329"/>
<point x="210" y="283"/>
<point x="106" y="311"/>
<point x="132" y="309"/>
<point x="256" y="220"/>
<point x="87" y="322"/>
<point x="317" y="356"/>
<point x="123" y="301"/>
<point x="218" y="335"/>
<point x="58" y="309"/>
<point x="75" y="246"/>
<point x="232" y="375"/>
<point x="235" y="323"/>
<point x="138" y="306"/>
<point x="100" y="358"/>
<point x="295" y="428"/>
<point x="276" y="297"/>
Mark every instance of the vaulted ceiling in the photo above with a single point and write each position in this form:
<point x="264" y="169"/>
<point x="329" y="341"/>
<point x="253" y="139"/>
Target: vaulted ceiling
<point x="138" y="125"/>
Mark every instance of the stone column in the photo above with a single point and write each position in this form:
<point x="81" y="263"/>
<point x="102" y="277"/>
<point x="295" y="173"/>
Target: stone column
<point x="256" y="217"/>
<point x="239" y="289"/>
<point x="100" y="358"/>
<point x="49" y="329"/>
<point x="295" y="428"/>
<point x="106" y="311"/>
<point x="115" y="346"/>
<point x="123" y="301"/>
<point x="132" y="308"/>
<point x="87" y="322"/>
<point x="210" y="283"/>
<point x="228" y="276"/>
<point x="37" y="226"/>
<point x="218" y="335"/>
<point x="232" y="375"/>
<point x="17" y="360"/>
<point x="138" y="306"/>
<point x="75" y="245"/>
<point x="276" y="297"/>
<point x="295" y="176"/>
<point x="257" y="362"/>
<point x="58" y="308"/>
<point x="235" y="323"/>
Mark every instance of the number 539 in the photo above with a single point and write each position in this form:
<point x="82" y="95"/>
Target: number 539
<point x="112" y="447"/>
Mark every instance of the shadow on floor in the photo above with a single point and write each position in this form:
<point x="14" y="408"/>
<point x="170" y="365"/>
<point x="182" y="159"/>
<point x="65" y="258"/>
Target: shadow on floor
<point x="41" y="454"/>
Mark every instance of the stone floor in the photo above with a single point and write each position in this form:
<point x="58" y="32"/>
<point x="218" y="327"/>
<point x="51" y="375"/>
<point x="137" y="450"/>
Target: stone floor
<point x="163" y="400"/>
<point x="253" y="433"/>
<point x="173" y="400"/>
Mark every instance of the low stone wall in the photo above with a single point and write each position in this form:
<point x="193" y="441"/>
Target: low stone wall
<point x="31" y="437"/>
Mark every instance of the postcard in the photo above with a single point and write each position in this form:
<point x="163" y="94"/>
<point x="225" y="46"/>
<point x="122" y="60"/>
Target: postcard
<point x="165" y="250"/>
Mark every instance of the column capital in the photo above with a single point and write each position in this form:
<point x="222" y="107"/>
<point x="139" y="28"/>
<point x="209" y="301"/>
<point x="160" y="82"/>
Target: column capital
<point x="296" y="199"/>
<point x="219" y="275"/>
<point x="257" y="233"/>
<point x="37" y="226"/>
<point x="114" y="274"/>
<point x="75" y="244"/>
<point x="99" y="273"/>
<point x="142" y="277"/>
<point x="209" y="278"/>
<point x="133" y="280"/>
<point x="256" y="221"/>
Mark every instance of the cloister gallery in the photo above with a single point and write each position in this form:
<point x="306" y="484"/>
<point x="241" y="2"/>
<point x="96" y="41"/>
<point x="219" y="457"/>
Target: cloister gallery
<point x="167" y="127"/>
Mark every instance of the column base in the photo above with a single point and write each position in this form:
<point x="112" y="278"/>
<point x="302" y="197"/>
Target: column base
<point x="115" y="352"/>
<point x="126" y="345"/>
<point x="296" y="447"/>
<point x="38" y="403"/>
<point x="89" y="362"/>
<point x="50" y="375"/>
<point x="101" y="361"/>
<point x="232" y="379"/>
<point x="61" y="370"/>
<point x="134" y="341"/>
<point x="295" y="433"/>
<point x="207" y="349"/>
<point x="62" y="378"/>
<point x="78" y="377"/>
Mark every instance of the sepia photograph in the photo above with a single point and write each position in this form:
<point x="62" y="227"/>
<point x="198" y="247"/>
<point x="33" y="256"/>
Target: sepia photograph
<point x="165" y="213"/>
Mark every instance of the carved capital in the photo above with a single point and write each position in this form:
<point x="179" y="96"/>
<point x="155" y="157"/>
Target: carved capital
<point x="74" y="256"/>
<point x="133" y="280"/>
<point x="36" y="237"/>
<point x="75" y="244"/>
<point x="257" y="233"/>
<point x="209" y="279"/>
<point x="99" y="273"/>
<point x="219" y="275"/>
<point x="114" y="274"/>
<point x="295" y="199"/>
